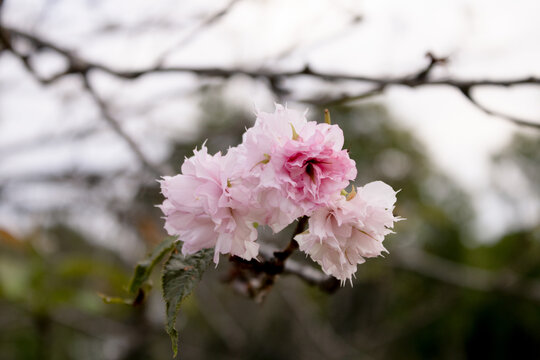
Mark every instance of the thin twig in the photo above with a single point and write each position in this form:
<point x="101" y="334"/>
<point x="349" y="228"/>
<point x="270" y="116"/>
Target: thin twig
<point x="115" y="125"/>
<point x="197" y="30"/>
<point x="515" y="120"/>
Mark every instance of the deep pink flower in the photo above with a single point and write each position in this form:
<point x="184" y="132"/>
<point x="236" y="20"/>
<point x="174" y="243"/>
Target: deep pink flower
<point x="295" y="166"/>
<point x="313" y="168"/>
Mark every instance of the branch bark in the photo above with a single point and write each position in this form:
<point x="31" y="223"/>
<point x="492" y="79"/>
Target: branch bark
<point x="256" y="277"/>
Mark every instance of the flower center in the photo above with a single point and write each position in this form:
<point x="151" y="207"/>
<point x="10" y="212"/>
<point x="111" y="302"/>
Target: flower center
<point x="309" y="168"/>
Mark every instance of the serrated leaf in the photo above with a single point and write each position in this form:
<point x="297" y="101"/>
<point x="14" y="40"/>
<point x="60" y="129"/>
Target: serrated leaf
<point x="180" y="275"/>
<point x="144" y="268"/>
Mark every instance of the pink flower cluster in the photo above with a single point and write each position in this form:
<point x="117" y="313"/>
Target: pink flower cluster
<point x="285" y="168"/>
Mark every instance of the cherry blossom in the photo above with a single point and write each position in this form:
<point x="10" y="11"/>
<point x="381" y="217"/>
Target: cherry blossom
<point x="352" y="228"/>
<point x="286" y="167"/>
<point x="201" y="207"/>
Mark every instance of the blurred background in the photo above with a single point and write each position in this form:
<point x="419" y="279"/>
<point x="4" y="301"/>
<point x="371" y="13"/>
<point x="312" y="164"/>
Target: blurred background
<point x="440" y="99"/>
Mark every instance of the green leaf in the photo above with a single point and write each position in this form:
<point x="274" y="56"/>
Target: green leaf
<point x="144" y="268"/>
<point x="180" y="275"/>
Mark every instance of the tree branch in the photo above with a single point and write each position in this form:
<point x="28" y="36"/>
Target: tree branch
<point x="81" y="68"/>
<point x="256" y="277"/>
<point x="474" y="278"/>
<point x="204" y="24"/>
<point x="311" y="276"/>
<point x="517" y="121"/>
<point x="417" y="79"/>
<point x="115" y="125"/>
<point x="284" y="254"/>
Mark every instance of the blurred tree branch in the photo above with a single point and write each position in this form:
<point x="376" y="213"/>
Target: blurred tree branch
<point x="323" y="337"/>
<point x="80" y="67"/>
<point x="467" y="92"/>
<point x="502" y="281"/>
<point x="256" y="277"/>
<point x="115" y="125"/>
<point x="76" y="65"/>
<point x="212" y="19"/>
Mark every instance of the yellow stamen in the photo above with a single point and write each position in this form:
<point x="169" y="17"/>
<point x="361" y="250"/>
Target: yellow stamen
<point x="295" y="135"/>
<point x="352" y="194"/>
<point x="327" y="117"/>
<point x="265" y="161"/>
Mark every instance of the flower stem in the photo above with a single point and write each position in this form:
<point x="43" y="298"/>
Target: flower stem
<point x="284" y="254"/>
